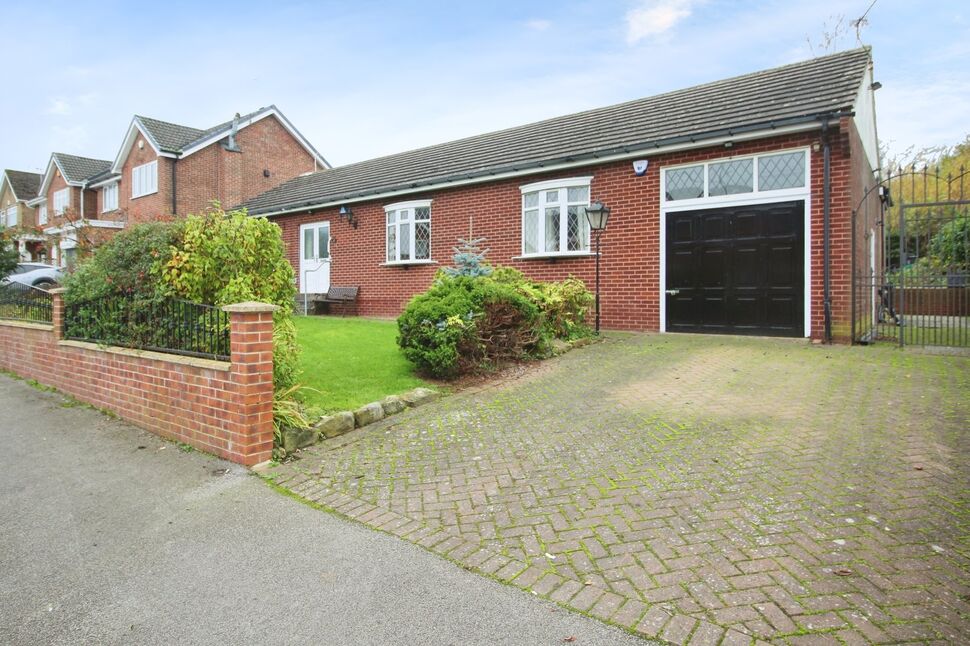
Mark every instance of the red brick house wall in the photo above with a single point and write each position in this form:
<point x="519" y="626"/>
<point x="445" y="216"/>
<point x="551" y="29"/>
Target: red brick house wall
<point x="215" y="173"/>
<point x="148" y="208"/>
<point x="265" y="145"/>
<point x="224" y="408"/>
<point x="631" y="245"/>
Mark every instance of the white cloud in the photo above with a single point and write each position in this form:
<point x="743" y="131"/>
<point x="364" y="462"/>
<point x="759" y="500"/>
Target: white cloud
<point x="655" y="17"/>
<point x="59" y="107"/>
<point x="539" y="24"/>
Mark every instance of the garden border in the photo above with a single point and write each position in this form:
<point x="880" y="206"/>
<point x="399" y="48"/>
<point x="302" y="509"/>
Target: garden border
<point x="223" y="408"/>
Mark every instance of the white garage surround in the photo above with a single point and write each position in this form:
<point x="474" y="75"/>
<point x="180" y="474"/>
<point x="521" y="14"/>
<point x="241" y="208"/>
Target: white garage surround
<point x="754" y="196"/>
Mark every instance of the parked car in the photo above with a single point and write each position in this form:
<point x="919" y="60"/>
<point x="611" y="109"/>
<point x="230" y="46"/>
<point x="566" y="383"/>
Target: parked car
<point x="34" y="274"/>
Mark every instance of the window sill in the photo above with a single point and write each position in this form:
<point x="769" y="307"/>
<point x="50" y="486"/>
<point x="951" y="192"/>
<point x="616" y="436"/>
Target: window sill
<point x="136" y="197"/>
<point x="408" y="263"/>
<point x="555" y="256"/>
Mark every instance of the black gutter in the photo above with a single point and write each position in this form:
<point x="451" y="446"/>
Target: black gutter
<point x="826" y="234"/>
<point x="538" y="165"/>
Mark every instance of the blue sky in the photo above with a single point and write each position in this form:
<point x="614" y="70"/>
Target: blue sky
<point x="363" y="79"/>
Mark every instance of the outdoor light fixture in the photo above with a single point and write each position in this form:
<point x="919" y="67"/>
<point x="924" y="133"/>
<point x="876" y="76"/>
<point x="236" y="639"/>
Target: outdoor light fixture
<point x="345" y="212"/>
<point x="598" y="215"/>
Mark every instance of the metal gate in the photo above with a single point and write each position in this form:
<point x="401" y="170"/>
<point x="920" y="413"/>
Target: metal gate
<point x="911" y="262"/>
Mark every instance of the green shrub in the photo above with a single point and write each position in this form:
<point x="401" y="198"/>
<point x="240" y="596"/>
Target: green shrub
<point x="223" y="258"/>
<point x="462" y="323"/>
<point x="564" y="304"/>
<point x="9" y="257"/>
<point x="122" y="266"/>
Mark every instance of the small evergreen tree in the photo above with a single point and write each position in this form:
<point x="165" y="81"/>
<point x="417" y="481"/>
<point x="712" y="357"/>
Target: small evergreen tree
<point x="469" y="259"/>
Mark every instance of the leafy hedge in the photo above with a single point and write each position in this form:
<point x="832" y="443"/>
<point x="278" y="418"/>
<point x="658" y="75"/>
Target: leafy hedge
<point x="462" y="323"/>
<point x="216" y="258"/>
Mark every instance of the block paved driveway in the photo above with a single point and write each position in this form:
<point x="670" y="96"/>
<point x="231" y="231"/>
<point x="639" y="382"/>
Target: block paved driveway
<point x="697" y="489"/>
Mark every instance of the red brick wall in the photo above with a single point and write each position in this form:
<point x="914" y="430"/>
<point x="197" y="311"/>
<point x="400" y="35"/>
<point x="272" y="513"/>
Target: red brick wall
<point x="265" y="145"/>
<point x="223" y="410"/>
<point x="148" y="208"/>
<point x="630" y="263"/>
<point x="214" y="173"/>
<point x="867" y="218"/>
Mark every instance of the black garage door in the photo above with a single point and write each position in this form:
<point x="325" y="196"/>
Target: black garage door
<point x="737" y="270"/>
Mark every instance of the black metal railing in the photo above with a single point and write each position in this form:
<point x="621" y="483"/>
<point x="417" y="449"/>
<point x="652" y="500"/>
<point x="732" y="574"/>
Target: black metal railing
<point x="25" y="303"/>
<point x="168" y="325"/>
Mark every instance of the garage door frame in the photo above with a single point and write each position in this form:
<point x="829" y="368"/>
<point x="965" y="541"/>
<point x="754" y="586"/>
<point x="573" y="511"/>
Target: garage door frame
<point x="742" y="199"/>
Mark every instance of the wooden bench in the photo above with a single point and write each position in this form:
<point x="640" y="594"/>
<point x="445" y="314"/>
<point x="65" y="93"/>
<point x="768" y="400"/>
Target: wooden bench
<point x="340" y="295"/>
<point x="337" y="300"/>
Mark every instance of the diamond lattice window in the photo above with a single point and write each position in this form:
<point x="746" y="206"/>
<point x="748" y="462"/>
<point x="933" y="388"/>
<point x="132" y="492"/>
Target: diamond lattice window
<point x="554" y="218"/>
<point x="408" y="231"/>
<point x="685" y="183"/>
<point x="731" y="177"/>
<point x="781" y="171"/>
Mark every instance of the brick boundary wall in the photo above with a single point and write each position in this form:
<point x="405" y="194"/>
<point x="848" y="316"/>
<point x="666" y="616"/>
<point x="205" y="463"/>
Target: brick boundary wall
<point x="220" y="407"/>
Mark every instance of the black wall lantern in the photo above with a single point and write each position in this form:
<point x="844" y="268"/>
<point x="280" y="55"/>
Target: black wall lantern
<point x="598" y="215"/>
<point x="345" y="212"/>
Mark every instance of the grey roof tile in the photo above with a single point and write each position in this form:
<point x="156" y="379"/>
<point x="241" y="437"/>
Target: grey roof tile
<point x="79" y="169"/>
<point x="24" y="184"/>
<point x="787" y="94"/>
<point x="174" y="138"/>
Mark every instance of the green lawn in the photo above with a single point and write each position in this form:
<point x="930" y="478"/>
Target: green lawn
<point x="350" y="362"/>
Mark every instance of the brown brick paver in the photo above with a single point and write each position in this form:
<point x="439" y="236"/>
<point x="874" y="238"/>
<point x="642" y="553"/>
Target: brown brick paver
<point x="692" y="488"/>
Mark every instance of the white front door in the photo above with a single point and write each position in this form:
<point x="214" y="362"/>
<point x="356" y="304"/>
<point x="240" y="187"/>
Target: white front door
<point x="315" y="258"/>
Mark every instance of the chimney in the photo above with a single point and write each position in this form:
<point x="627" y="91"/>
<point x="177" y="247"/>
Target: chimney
<point x="231" y="144"/>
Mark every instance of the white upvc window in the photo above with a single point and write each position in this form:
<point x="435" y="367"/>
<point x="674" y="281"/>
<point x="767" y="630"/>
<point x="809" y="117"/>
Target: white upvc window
<point x="62" y="200"/>
<point x="408" y="231"/>
<point x="554" y="217"/>
<point x="42" y="214"/>
<point x="144" y="179"/>
<point x="11" y="216"/>
<point x="777" y="173"/>
<point x="109" y="198"/>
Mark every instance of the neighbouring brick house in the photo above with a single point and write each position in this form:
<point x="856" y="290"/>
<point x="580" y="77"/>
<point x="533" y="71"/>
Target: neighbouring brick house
<point x="749" y="186"/>
<point x="17" y="189"/>
<point x="164" y="169"/>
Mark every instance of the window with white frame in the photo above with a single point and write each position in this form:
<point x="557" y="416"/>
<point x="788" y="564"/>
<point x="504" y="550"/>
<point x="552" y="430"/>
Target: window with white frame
<point x="738" y="176"/>
<point x="144" y="179"/>
<point x="62" y="200"/>
<point x="11" y="216"/>
<point x="554" y="217"/>
<point x="408" y="231"/>
<point x="42" y="214"/>
<point x="109" y="198"/>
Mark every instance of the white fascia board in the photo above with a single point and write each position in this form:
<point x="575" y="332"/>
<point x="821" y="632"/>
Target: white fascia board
<point x="272" y="111"/>
<point x="134" y="129"/>
<point x="413" y="204"/>
<point x="635" y="154"/>
<point x="49" y="177"/>
<point x="4" y="182"/>
<point x="81" y="224"/>
<point x="106" y="182"/>
<point x="864" y="108"/>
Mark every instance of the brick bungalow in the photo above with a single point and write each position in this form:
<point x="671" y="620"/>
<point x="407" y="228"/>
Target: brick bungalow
<point x="164" y="169"/>
<point x="17" y="189"/>
<point x="740" y="222"/>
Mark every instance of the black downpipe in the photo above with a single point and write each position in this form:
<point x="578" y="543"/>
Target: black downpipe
<point x="826" y="243"/>
<point x="174" y="187"/>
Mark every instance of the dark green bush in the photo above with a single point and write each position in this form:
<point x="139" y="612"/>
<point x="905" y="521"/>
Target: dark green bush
<point x="461" y="323"/>
<point x="564" y="304"/>
<point x="465" y="323"/>
<point x="122" y="266"/>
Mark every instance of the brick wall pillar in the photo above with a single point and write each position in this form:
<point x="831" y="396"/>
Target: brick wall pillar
<point x="57" y="312"/>
<point x="251" y="343"/>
